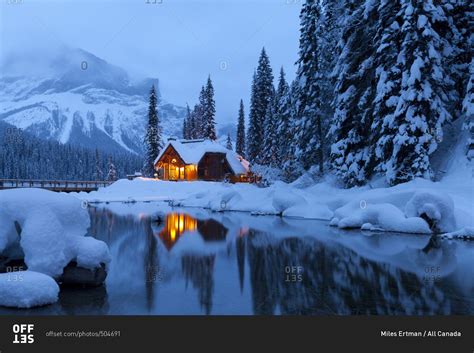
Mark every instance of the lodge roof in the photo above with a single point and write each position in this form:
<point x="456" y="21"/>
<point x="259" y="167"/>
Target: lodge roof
<point x="192" y="151"/>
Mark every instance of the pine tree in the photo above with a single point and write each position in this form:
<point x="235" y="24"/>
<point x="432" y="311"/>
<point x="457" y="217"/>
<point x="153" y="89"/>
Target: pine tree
<point x="457" y="30"/>
<point x="240" y="143"/>
<point x="310" y="125"/>
<point x="468" y="111"/>
<point x="270" y="151"/>
<point x="188" y="124"/>
<point x="388" y="75"/>
<point x="98" y="175"/>
<point x="199" y="112"/>
<point x="228" y="144"/>
<point x="209" y="112"/>
<point x="421" y="109"/>
<point x="185" y="129"/>
<point x="284" y="135"/>
<point x="112" y="173"/>
<point x="262" y="93"/>
<point x="253" y="129"/>
<point x="153" y="141"/>
<point x="329" y="34"/>
<point x="352" y="152"/>
<point x="196" y="122"/>
<point x="290" y="166"/>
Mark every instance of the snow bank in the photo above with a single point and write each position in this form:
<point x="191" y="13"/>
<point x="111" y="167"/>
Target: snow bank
<point x="53" y="227"/>
<point x="419" y="206"/>
<point x="378" y="217"/>
<point x="26" y="289"/>
<point x="464" y="233"/>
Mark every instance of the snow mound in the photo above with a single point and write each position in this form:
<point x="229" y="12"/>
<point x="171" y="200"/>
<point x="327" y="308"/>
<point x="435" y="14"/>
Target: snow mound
<point x="26" y="289"/>
<point x="377" y="217"/>
<point x="435" y="207"/>
<point x="53" y="227"/>
<point x="284" y="199"/>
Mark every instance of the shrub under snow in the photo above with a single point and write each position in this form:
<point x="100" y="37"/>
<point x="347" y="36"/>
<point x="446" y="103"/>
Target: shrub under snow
<point x="435" y="207"/>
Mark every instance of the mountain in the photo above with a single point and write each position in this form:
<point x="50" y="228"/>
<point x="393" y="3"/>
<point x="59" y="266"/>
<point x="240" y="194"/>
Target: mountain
<point x="82" y="99"/>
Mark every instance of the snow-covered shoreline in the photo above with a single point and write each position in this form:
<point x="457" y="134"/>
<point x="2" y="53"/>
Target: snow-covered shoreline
<point x="398" y="209"/>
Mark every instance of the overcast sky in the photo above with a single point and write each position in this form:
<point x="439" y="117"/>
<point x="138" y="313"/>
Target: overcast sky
<point x="178" y="41"/>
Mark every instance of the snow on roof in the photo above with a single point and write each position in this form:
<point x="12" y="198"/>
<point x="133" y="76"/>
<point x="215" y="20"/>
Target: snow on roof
<point x="191" y="152"/>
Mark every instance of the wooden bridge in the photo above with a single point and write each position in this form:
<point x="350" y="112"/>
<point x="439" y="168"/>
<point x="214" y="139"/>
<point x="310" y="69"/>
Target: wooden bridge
<point x="54" y="185"/>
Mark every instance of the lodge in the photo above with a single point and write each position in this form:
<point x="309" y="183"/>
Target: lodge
<point x="188" y="160"/>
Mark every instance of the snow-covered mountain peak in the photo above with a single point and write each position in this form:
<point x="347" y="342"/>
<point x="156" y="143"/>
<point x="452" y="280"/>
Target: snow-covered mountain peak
<point x="81" y="98"/>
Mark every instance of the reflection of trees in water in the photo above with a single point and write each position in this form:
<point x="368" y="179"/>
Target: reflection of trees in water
<point x="240" y="250"/>
<point x="199" y="270"/>
<point x="335" y="280"/>
<point x="150" y="263"/>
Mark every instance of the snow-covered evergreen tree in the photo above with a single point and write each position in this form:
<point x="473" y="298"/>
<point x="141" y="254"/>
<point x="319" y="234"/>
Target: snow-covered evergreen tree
<point x="185" y="129"/>
<point x="388" y="39"/>
<point x="98" y="175"/>
<point x="228" y="143"/>
<point x="310" y="130"/>
<point x="261" y="96"/>
<point x="329" y="30"/>
<point x="291" y="167"/>
<point x="153" y="141"/>
<point x="284" y="135"/>
<point x="240" y="140"/>
<point x="198" y="112"/>
<point x="468" y="111"/>
<point x="269" y="155"/>
<point x="457" y="30"/>
<point x="209" y="112"/>
<point x="253" y="129"/>
<point x="112" y="173"/>
<point x="422" y="106"/>
<point x="352" y="152"/>
<point x="196" y="122"/>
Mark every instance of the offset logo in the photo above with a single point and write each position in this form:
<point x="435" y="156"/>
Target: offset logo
<point x="23" y="333"/>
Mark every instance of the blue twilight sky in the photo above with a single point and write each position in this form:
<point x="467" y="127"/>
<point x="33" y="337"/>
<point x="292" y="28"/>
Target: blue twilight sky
<point x="178" y="41"/>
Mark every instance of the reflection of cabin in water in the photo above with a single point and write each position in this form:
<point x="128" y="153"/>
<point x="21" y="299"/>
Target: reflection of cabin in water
<point x="176" y="224"/>
<point x="200" y="160"/>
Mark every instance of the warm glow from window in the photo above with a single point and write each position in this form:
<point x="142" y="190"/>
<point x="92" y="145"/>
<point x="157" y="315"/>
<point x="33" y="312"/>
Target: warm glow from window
<point x="173" y="234"/>
<point x="175" y="225"/>
<point x="173" y="160"/>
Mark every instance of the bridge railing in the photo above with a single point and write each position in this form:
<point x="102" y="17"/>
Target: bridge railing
<point x="46" y="184"/>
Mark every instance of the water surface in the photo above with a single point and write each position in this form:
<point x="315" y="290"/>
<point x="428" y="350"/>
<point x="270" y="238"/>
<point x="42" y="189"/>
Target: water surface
<point x="190" y="261"/>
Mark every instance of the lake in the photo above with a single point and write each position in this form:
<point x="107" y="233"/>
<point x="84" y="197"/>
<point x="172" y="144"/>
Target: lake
<point x="172" y="261"/>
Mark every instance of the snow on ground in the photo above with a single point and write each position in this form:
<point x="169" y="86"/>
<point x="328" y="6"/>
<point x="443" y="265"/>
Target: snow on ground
<point x="26" y="289"/>
<point x="419" y="206"/>
<point x="52" y="230"/>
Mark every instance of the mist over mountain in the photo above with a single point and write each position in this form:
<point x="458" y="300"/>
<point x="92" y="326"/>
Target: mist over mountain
<point x="76" y="97"/>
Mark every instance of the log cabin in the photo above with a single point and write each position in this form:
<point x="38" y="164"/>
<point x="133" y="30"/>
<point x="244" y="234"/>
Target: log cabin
<point x="188" y="160"/>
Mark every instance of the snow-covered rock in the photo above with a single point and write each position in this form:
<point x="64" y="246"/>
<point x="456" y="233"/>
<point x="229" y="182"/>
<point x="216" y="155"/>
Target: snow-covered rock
<point x="436" y="206"/>
<point x="409" y="207"/>
<point x="53" y="228"/>
<point x="26" y="289"/>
